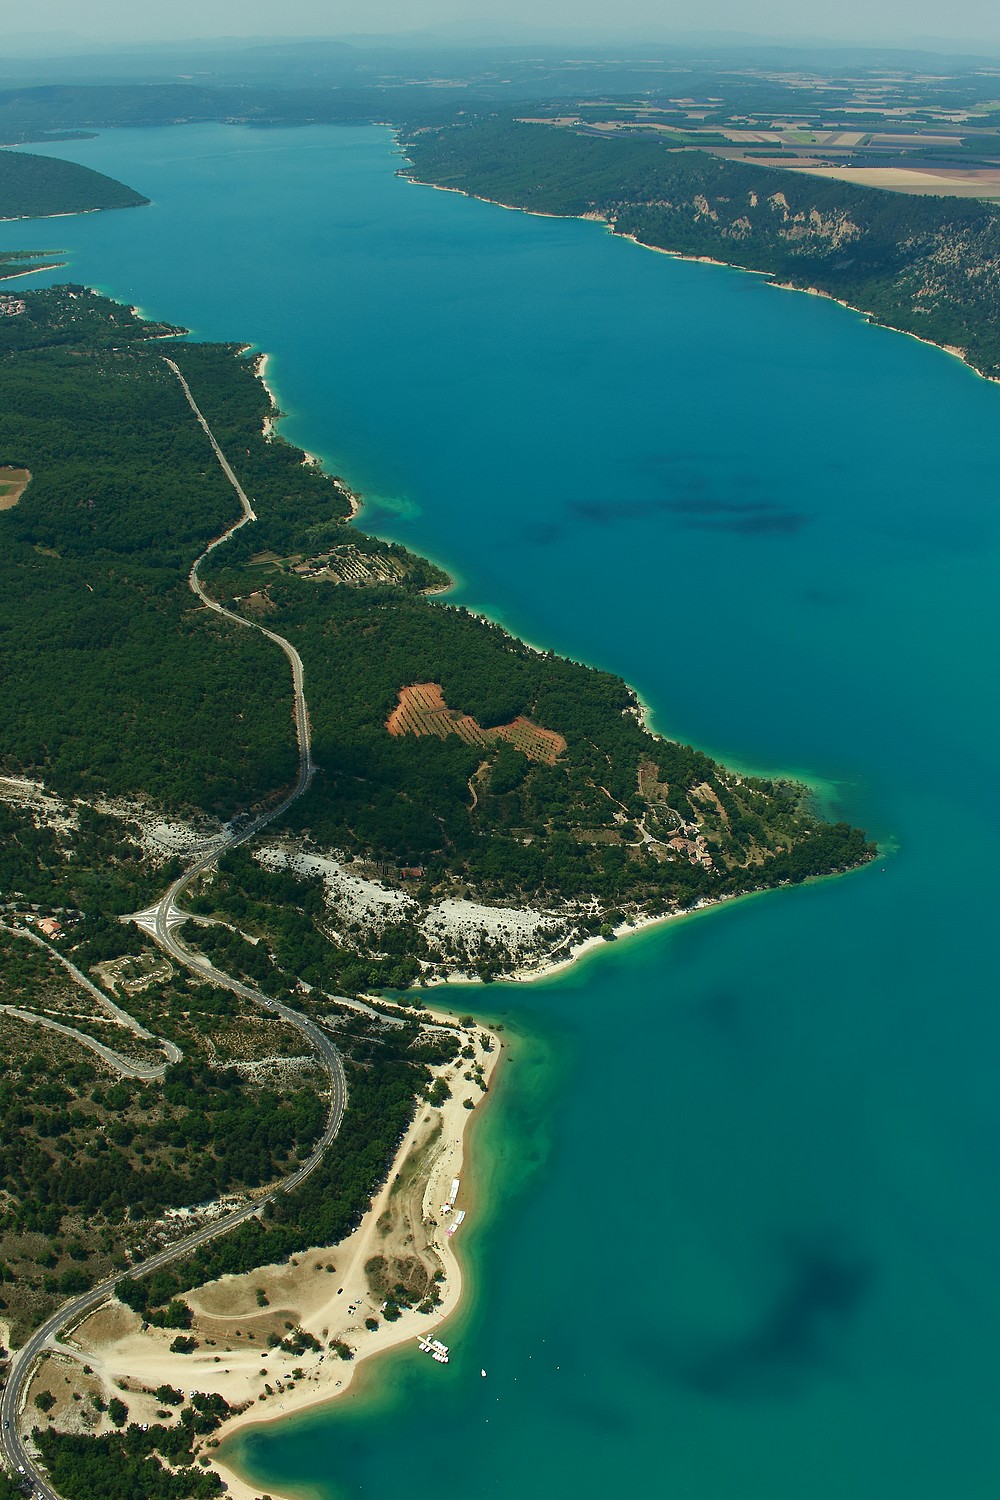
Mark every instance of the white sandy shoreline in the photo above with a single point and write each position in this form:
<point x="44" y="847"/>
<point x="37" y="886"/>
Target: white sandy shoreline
<point x="124" y="1356"/>
<point x="260" y="365"/>
<point x="59" y="265"/>
<point x="454" y="1162"/>
<point x="623" y="930"/>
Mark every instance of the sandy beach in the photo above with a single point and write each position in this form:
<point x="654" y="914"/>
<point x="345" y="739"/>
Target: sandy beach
<point x="260" y="370"/>
<point x="329" y="1293"/>
<point x="626" y="929"/>
<point x="354" y="500"/>
<point x="57" y="265"/>
<point x="514" y="208"/>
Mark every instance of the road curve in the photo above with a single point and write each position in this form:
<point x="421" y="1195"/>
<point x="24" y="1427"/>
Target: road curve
<point x="159" y="921"/>
<point x="171" y="1051"/>
<point x="122" y="1065"/>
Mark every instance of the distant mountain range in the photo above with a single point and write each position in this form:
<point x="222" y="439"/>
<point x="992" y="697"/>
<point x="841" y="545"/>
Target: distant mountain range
<point x="496" y="33"/>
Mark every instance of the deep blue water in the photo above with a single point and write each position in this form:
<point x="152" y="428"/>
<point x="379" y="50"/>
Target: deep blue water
<point x="745" y="1229"/>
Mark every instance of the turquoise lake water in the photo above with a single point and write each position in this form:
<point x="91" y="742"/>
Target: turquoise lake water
<point x="741" y="1226"/>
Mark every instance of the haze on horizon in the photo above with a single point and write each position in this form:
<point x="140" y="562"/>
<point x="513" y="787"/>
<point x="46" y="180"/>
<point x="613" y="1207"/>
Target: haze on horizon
<point x="54" y="25"/>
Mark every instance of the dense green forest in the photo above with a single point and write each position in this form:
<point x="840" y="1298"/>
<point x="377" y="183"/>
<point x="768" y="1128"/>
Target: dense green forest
<point x="927" y="265"/>
<point x="128" y="1464"/>
<point x="531" y="829"/>
<point x="120" y="683"/>
<point x="33" y="186"/>
<point x="146" y="694"/>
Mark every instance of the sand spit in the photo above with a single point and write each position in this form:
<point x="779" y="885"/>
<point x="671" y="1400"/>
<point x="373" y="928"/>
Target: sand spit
<point x="56" y="265"/>
<point x="327" y="1292"/>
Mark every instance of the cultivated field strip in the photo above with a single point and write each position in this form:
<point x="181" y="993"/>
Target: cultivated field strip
<point x="422" y="710"/>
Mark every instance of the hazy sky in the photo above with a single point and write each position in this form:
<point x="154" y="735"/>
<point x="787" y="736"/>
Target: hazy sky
<point x="862" y="20"/>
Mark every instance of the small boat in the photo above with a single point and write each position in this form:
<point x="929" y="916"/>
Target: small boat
<point x="434" y="1348"/>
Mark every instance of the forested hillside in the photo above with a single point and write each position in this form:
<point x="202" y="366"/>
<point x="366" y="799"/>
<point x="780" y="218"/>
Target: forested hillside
<point x="110" y="679"/>
<point x="32" y="187"/>
<point x="928" y="265"/>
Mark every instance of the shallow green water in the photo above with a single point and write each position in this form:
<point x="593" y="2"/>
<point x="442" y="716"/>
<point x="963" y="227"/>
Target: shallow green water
<point x="744" y="1223"/>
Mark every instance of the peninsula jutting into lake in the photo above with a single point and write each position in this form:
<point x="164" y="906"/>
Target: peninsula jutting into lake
<point x="731" y="1054"/>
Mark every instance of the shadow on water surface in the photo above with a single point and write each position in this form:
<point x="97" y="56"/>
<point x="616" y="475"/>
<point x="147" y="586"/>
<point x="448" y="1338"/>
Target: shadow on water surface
<point x="744" y="517"/>
<point x="796" y="1334"/>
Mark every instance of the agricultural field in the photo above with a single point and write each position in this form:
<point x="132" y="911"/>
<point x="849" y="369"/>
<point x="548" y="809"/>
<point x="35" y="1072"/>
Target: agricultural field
<point x="422" y="710"/>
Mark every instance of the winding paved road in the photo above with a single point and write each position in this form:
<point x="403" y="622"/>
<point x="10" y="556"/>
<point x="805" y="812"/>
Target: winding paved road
<point x="172" y="1052"/>
<point x="161" y="921"/>
<point x="127" y="1067"/>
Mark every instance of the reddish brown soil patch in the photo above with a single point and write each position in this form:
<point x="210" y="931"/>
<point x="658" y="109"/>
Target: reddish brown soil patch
<point x="422" y="710"/>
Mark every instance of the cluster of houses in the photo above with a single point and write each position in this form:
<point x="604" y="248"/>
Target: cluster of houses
<point x="48" y="925"/>
<point x="696" y="850"/>
<point x="11" y="307"/>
